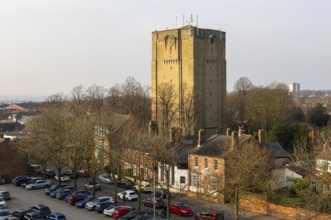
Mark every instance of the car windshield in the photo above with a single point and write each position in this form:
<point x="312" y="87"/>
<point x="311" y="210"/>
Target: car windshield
<point x="132" y="193"/>
<point x="182" y="206"/>
<point x="1" y="199"/>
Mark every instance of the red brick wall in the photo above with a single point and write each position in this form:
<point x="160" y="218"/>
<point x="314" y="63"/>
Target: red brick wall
<point x="257" y="205"/>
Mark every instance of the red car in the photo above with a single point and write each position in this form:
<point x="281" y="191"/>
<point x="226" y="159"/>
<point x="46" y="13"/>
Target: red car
<point x="123" y="210"/>
<point x="83" y="173"/>
<point x="213" y="215"/>
<point x="76" y="197"/>
<point x="181" y="209"/>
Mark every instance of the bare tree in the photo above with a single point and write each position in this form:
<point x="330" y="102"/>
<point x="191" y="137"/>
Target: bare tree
<point x="241" y="88"/>
<point x="167" y="107"/>
<point x="95" y="98"/>
<point x="248" y="168"/>
<point x="188" y="117"/>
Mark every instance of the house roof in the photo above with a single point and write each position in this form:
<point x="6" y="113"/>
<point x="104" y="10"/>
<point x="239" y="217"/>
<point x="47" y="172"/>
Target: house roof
<point x="277" y="150"/>
<point x="218" y="145"/>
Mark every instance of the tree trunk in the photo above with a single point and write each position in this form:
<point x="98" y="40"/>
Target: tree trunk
<point x="236" y="214"/>
<point x="168" y="193"/>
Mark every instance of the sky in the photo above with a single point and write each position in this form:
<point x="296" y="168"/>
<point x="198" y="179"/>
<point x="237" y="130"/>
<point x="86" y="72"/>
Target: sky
<point x="51" y="46"/>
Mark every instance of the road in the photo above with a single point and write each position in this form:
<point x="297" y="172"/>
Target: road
<point x="22" y="198"/>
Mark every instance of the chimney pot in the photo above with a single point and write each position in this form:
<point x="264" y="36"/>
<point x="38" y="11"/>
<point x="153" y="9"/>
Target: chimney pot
<point x="201" y="137"/>
<point x="228" y="131"/>
<point x="234" y="139"/>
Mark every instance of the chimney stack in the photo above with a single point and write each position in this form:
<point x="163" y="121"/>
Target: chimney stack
<point x="228" y="131"/>
<point x="234" y="139"/>
<point x="261" y="137"/>
<point x="201" y="137"/>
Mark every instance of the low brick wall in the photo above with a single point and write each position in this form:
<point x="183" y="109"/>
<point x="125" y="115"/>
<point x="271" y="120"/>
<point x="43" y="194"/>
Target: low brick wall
<point x="260" y="206"/>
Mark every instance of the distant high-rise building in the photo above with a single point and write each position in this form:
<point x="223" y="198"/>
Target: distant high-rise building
<point x="189" y="64"/>
<point x="294" y="88"/>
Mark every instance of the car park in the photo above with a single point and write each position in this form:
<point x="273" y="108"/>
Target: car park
<point x="16" y="178"/>
<point x="105" y="178"/>
<point x="124" y="184"/>
<point x="132" y="214"/>
<point x="82" y="203"/>
<point x="12" y="218"/>
<point x="181" y="209"/>
<point x="91" y="205"/>
<point x="90" y="186"/>
<point x="3" y="204"/>
<point x="150" y="202"/>
<point x="56" y="216"/>
<point x="39" y="184"/>
<point x="32" y="180"/>
<point x="213" y="215"/>
<point x="128" y="195"/>
<point x="121" y="211"/>
<point x="19" y="213"/>
<point x="42" y="209"/>
<point x="5" y="194"/>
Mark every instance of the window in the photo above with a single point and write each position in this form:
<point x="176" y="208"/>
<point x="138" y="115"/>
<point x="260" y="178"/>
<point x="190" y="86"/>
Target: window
<point x="196" y="161"/>
<point x="213" y="184"/>
<point x="313" y="186"/>
<point x="195" y="179"/>
<point x="215" y="164"/>
<point x="325" y="188"/>
<point x="325" y="165"/>
<point x="206" y="163"/>
<point x="182" y="179"/>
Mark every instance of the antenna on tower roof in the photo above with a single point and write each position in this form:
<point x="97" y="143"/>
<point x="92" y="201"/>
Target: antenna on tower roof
<point x="183" y="20"/>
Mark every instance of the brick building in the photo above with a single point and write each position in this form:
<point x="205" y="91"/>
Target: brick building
<point x="12" y="163"/>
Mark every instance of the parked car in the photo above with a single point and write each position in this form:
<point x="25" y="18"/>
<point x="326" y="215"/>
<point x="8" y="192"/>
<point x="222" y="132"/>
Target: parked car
<point x="56" y="216"/>
<point x="82" y="173"/>
<point x="213" y="215"/>
<point x="4" y="213"/>
<point x="160" y="193"/>
<point x="105" y="178"/>
<point x="144" y="188"/>
<point x="125" y="184"/>
<point x="32" y="180"/>
<point x="91" y="205"/>
<point x="49" y="173"/>
<point x="132" y="215"/>
<point x="33" y="216"/>
<point x="3" y="204"/>
<point x="123" y="210"/>
<point x="19" y="213"/>
<point x="90" y="185"/>
<point x="65" y="193"/>
<point x="110" y="210"/>
<point x="103" y="205"/>
<point x="77" y="196"/>
<point x="150" y="202"/>
<point x="34" y="168"/>
<point x="5" y="194"/>
<point x="54" y="188"/>
<point x="54" y="193"/>
<point x="181" y="209"/>
<point x="39" y="184"/>
<point x="42" y="209"/>
<point x="20" y="181"/>
<point x="64" y="178"/>
<point x="82" y="203"/>
<point x="129" y="195"/>
<point x="16" y="178"/>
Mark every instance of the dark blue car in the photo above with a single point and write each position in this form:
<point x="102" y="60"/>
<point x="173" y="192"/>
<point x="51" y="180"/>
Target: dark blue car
<point x="53" y="188"/>
<point x="54" y="193"/>
<point x="56" y="216"/>
<point x="103" y="205"/>
<point x="82" y="203"/>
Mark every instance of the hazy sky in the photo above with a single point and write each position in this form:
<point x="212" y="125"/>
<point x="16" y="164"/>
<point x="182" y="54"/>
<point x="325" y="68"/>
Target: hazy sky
<point x="51" y="46"/>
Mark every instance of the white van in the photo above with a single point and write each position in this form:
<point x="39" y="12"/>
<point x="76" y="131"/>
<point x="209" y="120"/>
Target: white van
<point x="34" y="168"/>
